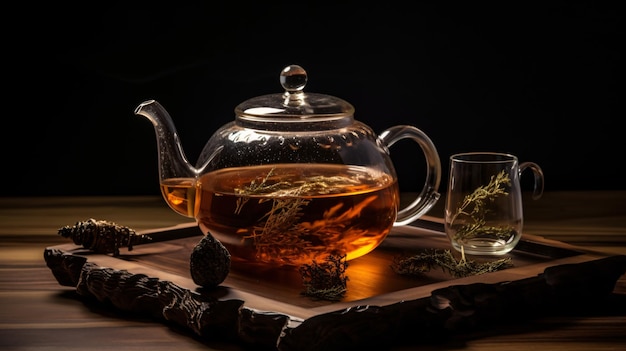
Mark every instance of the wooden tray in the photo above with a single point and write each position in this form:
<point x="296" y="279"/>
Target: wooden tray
<point x="371" y="279"/>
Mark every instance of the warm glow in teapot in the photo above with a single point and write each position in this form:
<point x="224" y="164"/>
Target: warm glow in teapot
<point x="293" y="179"/>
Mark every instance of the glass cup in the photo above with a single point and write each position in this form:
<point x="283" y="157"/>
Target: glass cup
<point x="483" y="210"/>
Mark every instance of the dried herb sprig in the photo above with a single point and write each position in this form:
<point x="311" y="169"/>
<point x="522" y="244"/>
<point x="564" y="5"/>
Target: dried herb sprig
<point x="326" y="280"/>
<point x="479" y="201"/>
<point x="427" y="260"/>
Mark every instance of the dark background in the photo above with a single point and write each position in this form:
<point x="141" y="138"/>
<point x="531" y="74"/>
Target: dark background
<point x="543" y="82"/>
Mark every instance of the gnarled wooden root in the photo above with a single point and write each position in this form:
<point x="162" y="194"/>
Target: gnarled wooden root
<point x="66" y="268"/>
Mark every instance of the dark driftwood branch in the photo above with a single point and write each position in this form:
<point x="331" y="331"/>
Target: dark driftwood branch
<point x="453" y="310"/>
<point x="208" y="317"/>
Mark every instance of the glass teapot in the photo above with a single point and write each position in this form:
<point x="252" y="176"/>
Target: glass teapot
<point x="293" y="179"/>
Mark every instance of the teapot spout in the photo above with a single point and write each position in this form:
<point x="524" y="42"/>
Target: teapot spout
<point x="173" y="163"/>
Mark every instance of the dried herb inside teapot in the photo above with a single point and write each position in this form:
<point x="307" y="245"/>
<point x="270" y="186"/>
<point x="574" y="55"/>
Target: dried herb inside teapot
<point x="290" y="219"/>
<point x="475" y="206"/>
<point x="285" y="211"/>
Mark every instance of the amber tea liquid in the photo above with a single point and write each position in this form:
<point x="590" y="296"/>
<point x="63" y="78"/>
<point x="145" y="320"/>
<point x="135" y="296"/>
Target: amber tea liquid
<point x="180" y="195"/>
<point x="294" y="214"/>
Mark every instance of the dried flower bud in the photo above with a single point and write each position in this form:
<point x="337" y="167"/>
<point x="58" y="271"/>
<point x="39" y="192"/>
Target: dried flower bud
<point x="209" y="263"/>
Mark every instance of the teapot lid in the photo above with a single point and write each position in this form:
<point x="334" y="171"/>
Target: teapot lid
<point x="294" y="105"/>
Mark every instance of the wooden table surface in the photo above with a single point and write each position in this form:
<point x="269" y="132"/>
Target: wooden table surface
<point x="36" y="313"/>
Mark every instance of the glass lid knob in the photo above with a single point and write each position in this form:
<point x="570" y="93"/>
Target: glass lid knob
<point x="293" y="78"/>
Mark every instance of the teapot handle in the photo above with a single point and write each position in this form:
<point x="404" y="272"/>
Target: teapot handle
<point x="429" y="194"/>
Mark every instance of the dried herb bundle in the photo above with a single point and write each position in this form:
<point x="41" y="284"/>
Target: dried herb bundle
<point x="103" y="236"/>
<point x="427" y="260"/>
<point x="326" y="280"/>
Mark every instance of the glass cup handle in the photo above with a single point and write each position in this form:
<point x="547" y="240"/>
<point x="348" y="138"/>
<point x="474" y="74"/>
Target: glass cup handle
<point x="538" y="174"/>
<point x="429" y="194"/>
